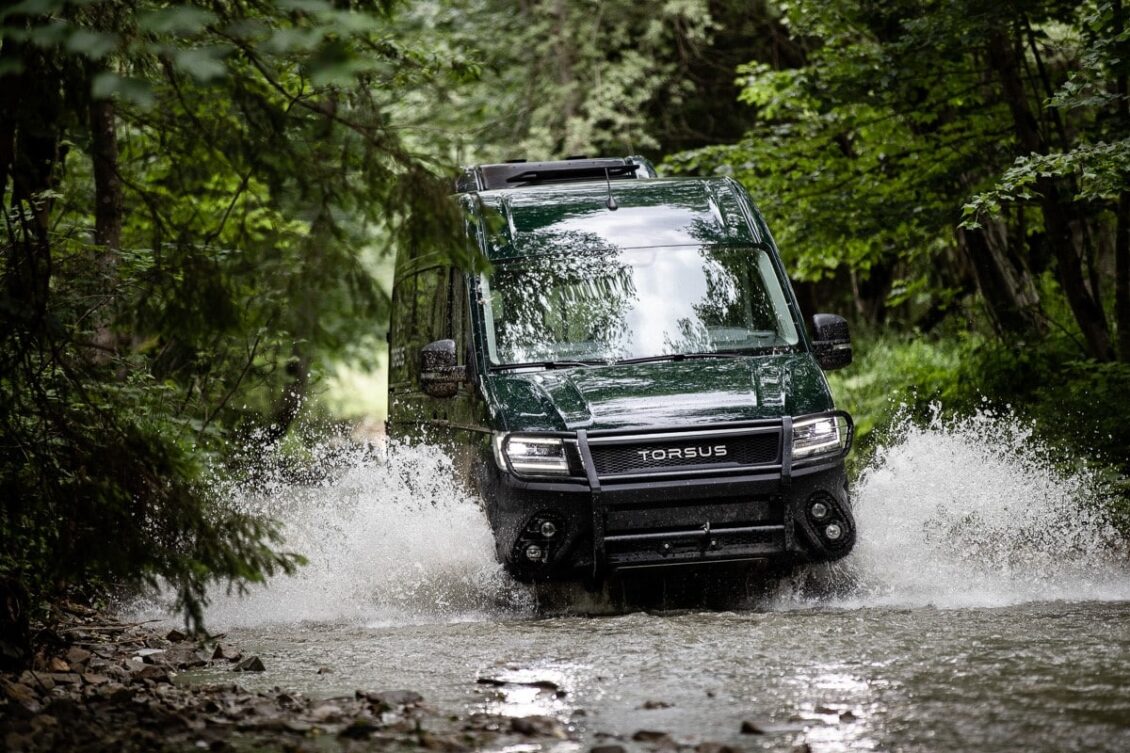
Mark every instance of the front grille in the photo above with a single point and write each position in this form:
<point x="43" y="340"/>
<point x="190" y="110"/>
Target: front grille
<point x="752" y="449"/>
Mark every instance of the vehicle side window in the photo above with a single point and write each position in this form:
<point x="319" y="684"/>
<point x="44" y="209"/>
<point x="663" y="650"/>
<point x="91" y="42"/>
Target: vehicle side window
<point x="400" y="327"/>
<point x="419" y="316"/>
<point x="457" y="308"/>
<point x="430" y="307"/>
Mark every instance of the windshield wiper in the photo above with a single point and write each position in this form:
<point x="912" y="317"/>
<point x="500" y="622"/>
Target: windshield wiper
<point x="544" y="365"/>
<point x="682" y="357"/>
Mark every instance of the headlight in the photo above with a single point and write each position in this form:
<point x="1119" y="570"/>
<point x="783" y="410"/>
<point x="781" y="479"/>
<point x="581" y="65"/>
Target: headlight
<point x="816" y="436"/>
<point x="531" y="455"/>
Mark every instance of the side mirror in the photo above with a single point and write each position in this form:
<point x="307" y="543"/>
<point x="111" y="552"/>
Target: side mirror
<point x="831" y="343"/>
<point x="439" y="376"/>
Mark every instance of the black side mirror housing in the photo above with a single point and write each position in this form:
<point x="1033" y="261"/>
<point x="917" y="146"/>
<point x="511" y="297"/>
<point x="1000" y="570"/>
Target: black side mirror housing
<point x="439" y="374"/>
<point x="831" y="342"/>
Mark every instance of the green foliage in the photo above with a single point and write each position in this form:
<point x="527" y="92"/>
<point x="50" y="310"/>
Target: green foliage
<point x="554" y="78"/>
<point x="865" y="155"/>
<point x="196" y="192"/>
<point x="896" y="373"/>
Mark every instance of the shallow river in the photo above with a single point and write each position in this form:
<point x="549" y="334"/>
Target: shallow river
<point x="987" y="610"/>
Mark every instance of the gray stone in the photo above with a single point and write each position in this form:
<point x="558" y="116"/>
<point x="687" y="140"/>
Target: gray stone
<point x="652" y="736"/>
<point x="76" y="655"/>
<point x="391" y="698"/>
<point x="541" y="726"/>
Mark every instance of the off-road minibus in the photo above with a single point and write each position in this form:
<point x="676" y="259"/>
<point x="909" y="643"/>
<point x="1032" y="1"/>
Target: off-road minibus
<point x="630" y="384"/>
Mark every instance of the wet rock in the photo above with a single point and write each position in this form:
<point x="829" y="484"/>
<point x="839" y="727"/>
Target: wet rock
<point x="22" y="695"/>
<point x="656" y="705"/>
<point x="66" y="678"/>
<point x="37" y="680"/>
<point x="752" y="728"/>
<point x="481" y="722"/>
<point x="607" y="749"/>
<point x="442" y="743"/>
<point x="152" y="672"/>
<point x="713" y="747"/>
<point x="114" y="692"/>
<point x="325" y="670"/>
<point x="327" y="712"/>
<point x="225" y="653"/>
<point x="539" y="726"/>
<point x="825" y="710"/>
<point x="175" y="636"/>
<point x="77" y="655"/>
<point x="390" y="699"/>
<point x="250" y="664"/>
<point x="654" y="737"/>
<point x="358" y="729"/>
<point x="183" y="657"/>
<point x="847" y="717"/>
<point x="802" y="748"/>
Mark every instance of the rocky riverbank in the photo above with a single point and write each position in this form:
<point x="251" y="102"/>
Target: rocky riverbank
<point x="100" y="684"/>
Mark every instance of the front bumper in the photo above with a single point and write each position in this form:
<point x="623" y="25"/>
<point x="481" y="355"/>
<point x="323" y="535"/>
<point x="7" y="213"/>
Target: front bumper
<point x="612" y="518"/>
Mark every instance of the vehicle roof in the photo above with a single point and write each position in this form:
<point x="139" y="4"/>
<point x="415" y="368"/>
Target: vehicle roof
<point x="655" y="212"/>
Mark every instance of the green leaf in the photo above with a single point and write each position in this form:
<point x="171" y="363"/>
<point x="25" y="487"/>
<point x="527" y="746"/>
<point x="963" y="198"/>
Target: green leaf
<point x="180" y="19"/>
<point x="92" y="44"/>
<point x="306" y="6"/>
<point x="33" y="8"/>
<point x="135" y="90"/>
<point x="203" y="63"/>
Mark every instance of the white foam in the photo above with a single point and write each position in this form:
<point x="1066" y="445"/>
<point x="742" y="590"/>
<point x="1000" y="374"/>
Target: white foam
<point x="975" y="512"/>
<point x="389" y="541"/>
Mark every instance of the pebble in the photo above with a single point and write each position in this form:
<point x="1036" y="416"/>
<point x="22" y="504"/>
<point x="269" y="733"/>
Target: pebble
<point x="118" y="694"/>
<point x="250" y="664"/>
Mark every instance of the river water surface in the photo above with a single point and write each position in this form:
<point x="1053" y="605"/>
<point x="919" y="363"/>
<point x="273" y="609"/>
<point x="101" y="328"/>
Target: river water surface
<point x="986" y="607"/>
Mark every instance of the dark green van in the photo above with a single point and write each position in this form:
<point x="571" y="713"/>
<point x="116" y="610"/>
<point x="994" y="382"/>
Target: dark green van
<point x="631" y="384"/>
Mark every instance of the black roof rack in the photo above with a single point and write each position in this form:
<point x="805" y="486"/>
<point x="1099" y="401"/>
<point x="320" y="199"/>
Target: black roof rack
<point x="519" y="173"/>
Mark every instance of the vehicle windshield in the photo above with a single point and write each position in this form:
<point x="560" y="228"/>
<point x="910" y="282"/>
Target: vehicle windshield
<point x="603" y="305"/>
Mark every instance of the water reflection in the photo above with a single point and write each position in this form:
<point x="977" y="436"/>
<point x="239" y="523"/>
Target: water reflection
<point x="541" y="690"/>
<point x="594" y="301"/>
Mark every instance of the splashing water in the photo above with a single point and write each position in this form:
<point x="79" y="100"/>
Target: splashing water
<point x="954" y="513"/>
<point x="388" y="542"/>
<point x="975" y="512"/>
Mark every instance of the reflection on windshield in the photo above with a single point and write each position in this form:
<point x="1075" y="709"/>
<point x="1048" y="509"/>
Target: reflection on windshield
<point x="601" y="303"/>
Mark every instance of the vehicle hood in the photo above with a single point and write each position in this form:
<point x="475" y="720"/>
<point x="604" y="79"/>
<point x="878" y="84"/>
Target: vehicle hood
<point x="662" y="394"/>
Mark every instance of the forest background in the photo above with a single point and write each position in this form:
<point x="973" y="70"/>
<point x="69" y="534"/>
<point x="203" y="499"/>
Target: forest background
<point x="202" y="201"/>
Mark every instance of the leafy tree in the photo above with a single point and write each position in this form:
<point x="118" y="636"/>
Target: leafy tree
<point x="189" y="188"/>
<point x="590" y="77"/>
<point x="867" y="151"/>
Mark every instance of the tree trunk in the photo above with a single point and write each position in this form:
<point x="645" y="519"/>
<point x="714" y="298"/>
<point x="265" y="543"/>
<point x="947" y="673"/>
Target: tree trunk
<point x="107" y="182"/>
<point x="108" y="209"/>
<point x="1122" y="218"/>
<point x="1010" y="296"/>
<point x="30" y="121"/>
<point x="1122" y="275"/>
<point x="1058" y="215"/>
